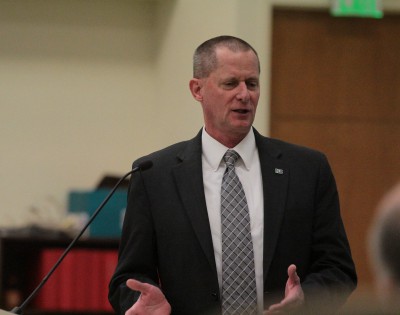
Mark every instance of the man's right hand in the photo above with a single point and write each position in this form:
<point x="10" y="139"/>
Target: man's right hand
<point x="151" y="301"/>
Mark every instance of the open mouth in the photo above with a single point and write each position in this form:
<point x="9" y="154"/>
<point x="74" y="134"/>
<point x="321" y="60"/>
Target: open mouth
<point x="241" y="111"/>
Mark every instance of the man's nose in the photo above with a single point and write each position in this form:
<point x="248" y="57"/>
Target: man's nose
<point x="243" y="93"/>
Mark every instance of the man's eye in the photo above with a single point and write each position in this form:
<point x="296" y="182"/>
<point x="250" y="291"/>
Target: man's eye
<point x="230" y="84"/>
<point x="252" y="85"/>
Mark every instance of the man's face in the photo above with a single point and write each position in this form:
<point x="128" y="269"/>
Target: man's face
<point x="229" y="95"/>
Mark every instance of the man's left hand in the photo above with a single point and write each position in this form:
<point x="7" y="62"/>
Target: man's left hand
<point x="294" y="296"/>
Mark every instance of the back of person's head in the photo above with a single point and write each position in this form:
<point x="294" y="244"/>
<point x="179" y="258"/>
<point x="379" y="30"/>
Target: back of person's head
<point x="384" y="245"/>
<point x="205" y="57"/>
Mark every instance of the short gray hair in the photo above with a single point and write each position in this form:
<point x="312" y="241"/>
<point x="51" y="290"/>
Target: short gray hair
<point x="205" y="57"/>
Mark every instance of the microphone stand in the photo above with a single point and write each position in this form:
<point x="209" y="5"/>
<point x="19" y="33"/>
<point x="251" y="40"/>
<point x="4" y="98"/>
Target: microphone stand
<point x="19" y="309"/>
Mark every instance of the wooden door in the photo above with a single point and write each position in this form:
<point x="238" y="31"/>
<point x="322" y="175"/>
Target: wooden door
<point x="336" y="88"/>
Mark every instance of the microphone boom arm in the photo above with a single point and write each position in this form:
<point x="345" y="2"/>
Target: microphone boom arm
<point x="19" y="309"/>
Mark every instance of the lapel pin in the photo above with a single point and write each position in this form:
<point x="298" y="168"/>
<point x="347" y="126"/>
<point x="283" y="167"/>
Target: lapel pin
<point x="279" y="171"/>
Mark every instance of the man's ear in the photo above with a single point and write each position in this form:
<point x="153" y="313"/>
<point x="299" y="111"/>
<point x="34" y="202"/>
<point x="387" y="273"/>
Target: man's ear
<point x="195" y="86"/>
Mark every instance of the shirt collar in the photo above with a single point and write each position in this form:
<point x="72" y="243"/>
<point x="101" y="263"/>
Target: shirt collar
<point x="213" y="151"/>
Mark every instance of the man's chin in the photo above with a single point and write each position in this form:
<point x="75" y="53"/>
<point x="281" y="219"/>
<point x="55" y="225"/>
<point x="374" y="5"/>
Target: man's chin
<point x="242" y="127"/>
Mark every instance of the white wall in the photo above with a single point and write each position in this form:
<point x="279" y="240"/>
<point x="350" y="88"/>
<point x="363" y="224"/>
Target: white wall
<point x="86" y="87"/>
<point x="76" y="95"/>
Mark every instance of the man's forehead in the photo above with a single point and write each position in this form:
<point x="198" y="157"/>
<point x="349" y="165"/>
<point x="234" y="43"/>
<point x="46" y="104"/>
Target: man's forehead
<point x="224" y="55"/>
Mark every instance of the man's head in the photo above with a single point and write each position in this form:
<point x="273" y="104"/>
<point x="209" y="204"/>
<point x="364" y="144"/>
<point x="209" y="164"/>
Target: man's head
<point x="205" y="57"/>
<point x="385" y="247"/>
<point x="225" y="81"/>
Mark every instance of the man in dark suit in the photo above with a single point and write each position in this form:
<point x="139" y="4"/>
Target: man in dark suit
<point x="170" y="253"/>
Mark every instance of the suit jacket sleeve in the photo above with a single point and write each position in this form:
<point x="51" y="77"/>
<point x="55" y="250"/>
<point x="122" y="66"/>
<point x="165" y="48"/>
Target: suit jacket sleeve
<point x="137" y="237"/>
<point x="166" y="239"/>
<point x="303" y="226"/>
<point x="331" y="275"/>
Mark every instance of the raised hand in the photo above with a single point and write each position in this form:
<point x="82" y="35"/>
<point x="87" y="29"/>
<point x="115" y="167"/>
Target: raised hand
<point x="294" y="296"/>
<point x="151" y="301"/>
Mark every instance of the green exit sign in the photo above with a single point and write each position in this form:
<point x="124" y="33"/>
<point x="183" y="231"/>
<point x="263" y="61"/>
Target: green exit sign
<point x="357" y="8"/>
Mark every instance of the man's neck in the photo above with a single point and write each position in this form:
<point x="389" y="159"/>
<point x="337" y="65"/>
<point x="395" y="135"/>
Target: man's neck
<point x="230" y="141"/>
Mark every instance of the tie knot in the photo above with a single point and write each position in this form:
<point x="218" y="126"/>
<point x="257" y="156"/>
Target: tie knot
<point x="230" y="158"/>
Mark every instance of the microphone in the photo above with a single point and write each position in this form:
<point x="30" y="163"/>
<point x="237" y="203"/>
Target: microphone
<point x="142" y="166"/>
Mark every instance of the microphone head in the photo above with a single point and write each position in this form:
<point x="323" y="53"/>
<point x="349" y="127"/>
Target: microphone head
<point x="145" y="165"/>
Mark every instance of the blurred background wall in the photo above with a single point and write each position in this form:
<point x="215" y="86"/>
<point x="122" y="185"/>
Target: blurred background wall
<point x="86" y="87"/>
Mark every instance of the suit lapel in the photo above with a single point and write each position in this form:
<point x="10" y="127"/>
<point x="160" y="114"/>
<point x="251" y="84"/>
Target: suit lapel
<point x="275" y="175"/>
<point x="189" y="182"/>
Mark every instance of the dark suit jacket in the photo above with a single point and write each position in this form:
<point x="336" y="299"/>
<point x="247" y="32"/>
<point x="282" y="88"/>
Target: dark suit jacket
<point x="166" y="238"/>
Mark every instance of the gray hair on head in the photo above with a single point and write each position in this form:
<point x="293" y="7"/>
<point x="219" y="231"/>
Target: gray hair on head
<point x="205" y="57"/>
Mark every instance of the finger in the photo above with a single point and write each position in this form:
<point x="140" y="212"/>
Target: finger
<point x="137" y="285"/>
<point x="273" y="310"/>
<point x="292" y="270"/>
<point x="293" y="274"/>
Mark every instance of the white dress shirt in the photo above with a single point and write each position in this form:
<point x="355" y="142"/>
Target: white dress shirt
<point x="249" y="172"/>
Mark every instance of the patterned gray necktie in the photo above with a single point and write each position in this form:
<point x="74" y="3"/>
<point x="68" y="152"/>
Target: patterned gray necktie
<point x="238" y="276"/>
